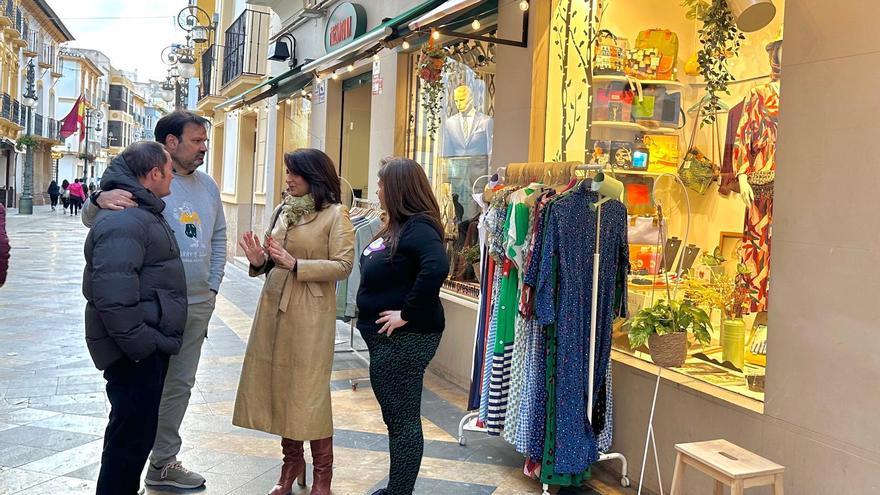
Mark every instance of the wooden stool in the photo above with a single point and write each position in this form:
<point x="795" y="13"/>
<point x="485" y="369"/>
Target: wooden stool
<point x="728" y="465"/>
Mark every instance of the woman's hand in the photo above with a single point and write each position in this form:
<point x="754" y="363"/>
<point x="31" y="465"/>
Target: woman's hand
<point x="255" y="253"/>
<point x="279" y="255"/>
<point x="390" y="321"/>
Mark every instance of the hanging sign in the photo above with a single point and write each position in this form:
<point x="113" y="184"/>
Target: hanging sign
<point x="377" y="84"/>
<point x="345" y="23"/>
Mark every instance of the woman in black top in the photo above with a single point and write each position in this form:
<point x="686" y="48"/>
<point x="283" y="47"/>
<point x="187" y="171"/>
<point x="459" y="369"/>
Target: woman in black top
<point x="54" y="191"/>
<point x="399" y="312"/>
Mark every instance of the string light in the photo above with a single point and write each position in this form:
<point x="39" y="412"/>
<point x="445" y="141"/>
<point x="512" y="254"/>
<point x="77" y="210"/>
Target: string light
<point x="405" y="45"/>
<point x="335" y="76"/>
<point x="476" y="25"/>
<point x="376" y="57"/>
<point x="304" y="93"/>
<point x="278" y="106"/>
<point x="435" y="34"/>
<point x="524" y="5"/>
<point x="350" y="67"/>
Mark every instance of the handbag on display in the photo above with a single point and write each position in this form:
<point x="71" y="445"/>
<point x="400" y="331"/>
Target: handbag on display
<point x="657" y="107"/>
<point x="646" y="230"/>
<point x="613" y="103"/>
<point x="654" y="56"/>
<point x="663" y="153"/>
<point x="609" y="53"/>
<point x="697" y="172"/>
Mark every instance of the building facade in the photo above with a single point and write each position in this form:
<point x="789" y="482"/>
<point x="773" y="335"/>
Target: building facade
<point x="125" y="124"/>
<point x="32" y="32"/>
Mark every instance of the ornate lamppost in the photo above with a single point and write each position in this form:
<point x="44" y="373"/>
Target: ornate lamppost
<point x="87" y="156"/>
<point x="26" y="205"/>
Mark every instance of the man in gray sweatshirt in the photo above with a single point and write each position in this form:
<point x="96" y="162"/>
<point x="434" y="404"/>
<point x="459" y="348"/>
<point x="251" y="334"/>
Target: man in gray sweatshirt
<point x="195" y="213"/>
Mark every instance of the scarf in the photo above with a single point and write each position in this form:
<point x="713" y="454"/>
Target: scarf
<point x="293" y="209"/>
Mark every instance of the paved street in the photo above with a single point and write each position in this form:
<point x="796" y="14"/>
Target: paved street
<point x="53" y="409"/>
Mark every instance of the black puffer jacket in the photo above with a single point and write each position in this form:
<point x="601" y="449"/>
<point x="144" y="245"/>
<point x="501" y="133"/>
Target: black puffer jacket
<point x="133" y="281"/>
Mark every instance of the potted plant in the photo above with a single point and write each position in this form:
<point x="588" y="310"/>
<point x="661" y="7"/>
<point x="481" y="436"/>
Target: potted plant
<point x="471" y="256"/>
<point x="432" y="63"/>
<point x="729" y="295"/>
<point x="25" y="142"/>
<point x="720" y="39"/>
<point x="664" y="328"/>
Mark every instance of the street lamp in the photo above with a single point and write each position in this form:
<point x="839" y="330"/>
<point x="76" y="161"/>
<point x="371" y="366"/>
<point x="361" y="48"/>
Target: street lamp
<point x="181" y="59"/>
<point x="97" y="115"/>
<point x="197" y="22"/>
<point x="29" y="99"/>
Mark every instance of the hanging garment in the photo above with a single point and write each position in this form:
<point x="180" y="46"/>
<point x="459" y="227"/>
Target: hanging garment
<point x="728" y="182"/>
<point x="755" y="156"/>
<point x="570" y="232"/>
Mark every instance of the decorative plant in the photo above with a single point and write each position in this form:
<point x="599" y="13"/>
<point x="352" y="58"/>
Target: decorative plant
<point x="715" y="258"/>
<point x="432" y="62"/>
<point x="721" y="40"/>
<point x="25" y="142"/>
<point x="669" y="317"/>
<point x="730" y="295"/>
<point x="87" y="157"/>
<point x="471" y="254"/>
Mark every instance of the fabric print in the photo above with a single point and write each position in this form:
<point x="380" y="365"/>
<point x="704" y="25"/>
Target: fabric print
<point x="191" y="222"/>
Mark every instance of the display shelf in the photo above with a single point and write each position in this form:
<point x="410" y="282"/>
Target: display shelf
<point x="632" y="126"/>
<point x="643" y="82"/>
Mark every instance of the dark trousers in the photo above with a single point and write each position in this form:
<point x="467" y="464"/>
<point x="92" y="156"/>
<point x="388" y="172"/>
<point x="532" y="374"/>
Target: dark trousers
<point x="134" y="390"/>
<point x="397" y="371"/>
<point x="54" y="199"/>
<point x="75" y="204"/>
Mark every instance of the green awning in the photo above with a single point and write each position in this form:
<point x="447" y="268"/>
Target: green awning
<point x="388" y="30"/>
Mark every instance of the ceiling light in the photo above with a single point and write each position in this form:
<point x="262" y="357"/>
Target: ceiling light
<point x="405" y="45"/>
<point x="524" y="5"/>
<point x="335" y="76"/>
<point x="435" y="34"/>
<point x="476" y="25"/>
<point x="350" y="67"/>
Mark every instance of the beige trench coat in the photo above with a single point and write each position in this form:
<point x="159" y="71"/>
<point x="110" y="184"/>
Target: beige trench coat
<point x="285" y="382"/>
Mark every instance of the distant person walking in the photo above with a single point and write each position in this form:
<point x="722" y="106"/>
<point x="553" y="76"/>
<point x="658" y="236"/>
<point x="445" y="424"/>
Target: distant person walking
<point x="54" y="192"/>
<point x="77" y="197"/>
<point x="4" y="246"/>
<point x="65" y="194"/>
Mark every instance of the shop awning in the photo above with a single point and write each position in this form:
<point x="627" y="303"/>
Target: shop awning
<point x="368" y="43"/>
<point x="447" y="9"/>
<point x="363" y="46"/>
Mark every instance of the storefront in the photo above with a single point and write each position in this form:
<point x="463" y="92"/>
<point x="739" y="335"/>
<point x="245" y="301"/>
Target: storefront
<point x="785" y="366"/>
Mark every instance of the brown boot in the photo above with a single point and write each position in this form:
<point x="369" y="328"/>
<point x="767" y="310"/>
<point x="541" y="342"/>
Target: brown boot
<point x="322" y="460"/>
<point x="294" y="467"/>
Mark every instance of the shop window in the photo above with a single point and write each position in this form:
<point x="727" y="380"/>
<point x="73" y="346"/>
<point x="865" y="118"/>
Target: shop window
<point x="627" y="93"/>
<point x="454" y="142"/>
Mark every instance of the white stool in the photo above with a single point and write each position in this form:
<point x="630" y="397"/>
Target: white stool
<point x="727" y="464"/>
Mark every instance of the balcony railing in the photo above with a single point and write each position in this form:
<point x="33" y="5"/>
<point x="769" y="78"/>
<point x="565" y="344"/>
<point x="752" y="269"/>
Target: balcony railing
<point x="48" y="56"/>
<point x="246" y="44"/>
<point x="33" y="44"/>
<point x="21" y="24"/>
<point x="9" y="10"/>
<point x="38" y="124"/>
<point x="12" y="110"/>
<point x="210" y="83"/>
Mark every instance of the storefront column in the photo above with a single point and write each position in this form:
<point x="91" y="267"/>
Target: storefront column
<point x="383" y="121"/>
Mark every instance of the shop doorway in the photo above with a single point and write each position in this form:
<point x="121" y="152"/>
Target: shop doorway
<point x="354" y="162"/>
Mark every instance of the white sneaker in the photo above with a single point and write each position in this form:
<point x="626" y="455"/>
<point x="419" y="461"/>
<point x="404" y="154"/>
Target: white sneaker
<point x="173" y="474"/>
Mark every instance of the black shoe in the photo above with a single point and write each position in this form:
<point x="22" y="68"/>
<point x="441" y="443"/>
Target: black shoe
<point x="380" y="491"/>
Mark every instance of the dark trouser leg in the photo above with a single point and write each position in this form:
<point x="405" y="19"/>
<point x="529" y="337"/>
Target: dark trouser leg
<point x="397" y="370"/>
<point x="134" y="390"/>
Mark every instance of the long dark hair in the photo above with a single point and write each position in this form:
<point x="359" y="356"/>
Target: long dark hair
<point x="65" y="184"/>
<point x="407" y="193"/>
<point x="318" y="170"/>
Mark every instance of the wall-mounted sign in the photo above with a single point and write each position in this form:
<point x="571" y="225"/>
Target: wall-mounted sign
<point x="345" y="23"/>
<point x="319" y="94"/>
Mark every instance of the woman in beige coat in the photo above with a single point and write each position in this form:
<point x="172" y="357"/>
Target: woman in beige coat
<point x="285" y="381"/>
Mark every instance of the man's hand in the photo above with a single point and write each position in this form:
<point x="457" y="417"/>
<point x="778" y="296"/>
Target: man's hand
<point x="116" y="199"/>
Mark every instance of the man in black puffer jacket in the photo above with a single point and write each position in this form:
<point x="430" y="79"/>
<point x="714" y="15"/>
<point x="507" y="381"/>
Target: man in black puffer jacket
<point x="136" y="291"/>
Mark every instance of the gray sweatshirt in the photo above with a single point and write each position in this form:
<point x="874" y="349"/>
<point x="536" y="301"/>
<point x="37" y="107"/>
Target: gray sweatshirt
<point x="195" y="213"/>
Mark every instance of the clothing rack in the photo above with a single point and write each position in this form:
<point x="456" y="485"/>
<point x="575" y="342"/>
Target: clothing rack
<point x="469" y="422"/>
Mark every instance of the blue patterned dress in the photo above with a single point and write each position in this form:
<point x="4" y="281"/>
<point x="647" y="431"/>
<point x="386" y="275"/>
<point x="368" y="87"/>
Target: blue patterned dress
<point x="569" y="240"/>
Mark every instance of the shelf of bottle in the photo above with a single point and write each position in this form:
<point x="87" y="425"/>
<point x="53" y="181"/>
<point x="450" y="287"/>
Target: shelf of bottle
<point x="643" y="82"/>
<point x="632" y="126"/>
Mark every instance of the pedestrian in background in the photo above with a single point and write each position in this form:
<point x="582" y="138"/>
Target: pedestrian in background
<point x="135" y="289"/>
<point x="399" y="312"/>
<point x="285" y="381"/>
<point x="77" y="196"/>
<point x="54" y="191"/>
<point x="65" y="194"/>
<point x="195" y="213"/>
<point x="4" y="246"/>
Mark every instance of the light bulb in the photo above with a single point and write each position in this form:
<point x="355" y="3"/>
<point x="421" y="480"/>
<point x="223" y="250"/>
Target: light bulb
<point x="350" y="67"/>
<point x="405" y="45"/>
<point x="524" y="5"/>
<point x="436" y="35"/>
<point x="278" y="107"/>
<point x="304" y="93"/>
<point x="476" y="24"/>
<point x="335" y="76"/>
<point x="376" y="57"/>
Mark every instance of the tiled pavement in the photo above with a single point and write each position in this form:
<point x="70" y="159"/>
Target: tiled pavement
<point x="53" y="409"/>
